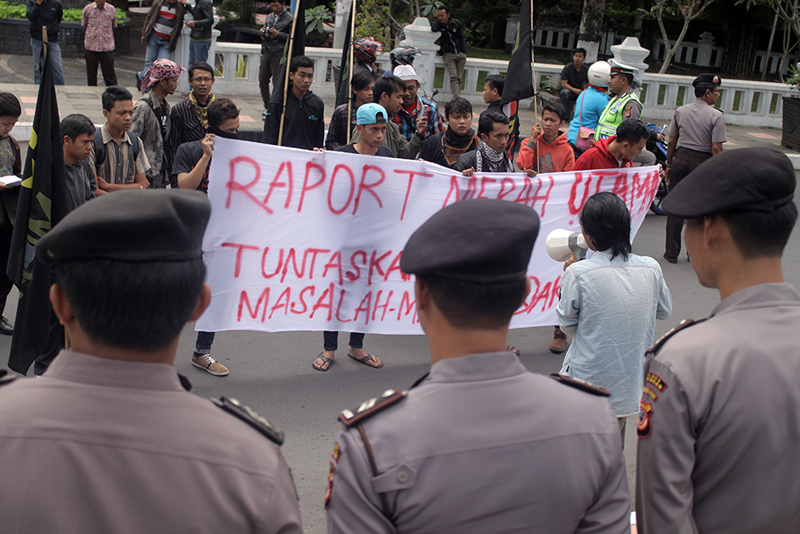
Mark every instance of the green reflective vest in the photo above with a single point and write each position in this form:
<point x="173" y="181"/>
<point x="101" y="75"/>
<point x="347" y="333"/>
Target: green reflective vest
<point x="612" y="116"/>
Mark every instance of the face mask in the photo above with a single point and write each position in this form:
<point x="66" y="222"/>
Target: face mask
<point x="217" y="131"/>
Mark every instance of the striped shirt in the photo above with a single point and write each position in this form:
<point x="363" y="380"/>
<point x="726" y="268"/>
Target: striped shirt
<point x="119" y="167"/>
<point x="166" y="20"/>
<point x="184" y="127"/>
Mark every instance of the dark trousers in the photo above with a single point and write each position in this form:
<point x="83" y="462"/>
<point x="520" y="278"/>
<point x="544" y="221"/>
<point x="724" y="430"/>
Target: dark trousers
<point x="567" y="99"/>
<point x="106" y="62"/>
<point x="204" y="342"/>
<point x="331" y="340"/>
<point x="684" y="162"/>
<point x="5" y="282"/>
<point x="266" y="72"/>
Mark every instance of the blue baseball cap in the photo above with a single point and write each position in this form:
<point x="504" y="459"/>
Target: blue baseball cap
<point x="371" y="114"/>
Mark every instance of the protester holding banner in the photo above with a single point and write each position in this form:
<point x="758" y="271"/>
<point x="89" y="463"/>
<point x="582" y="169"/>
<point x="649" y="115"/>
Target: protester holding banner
<point x="479" y="444"/>
<point x="490" y="156"/>
<point x="304" y="121"/>
<point x="389" y="92"/>
<point x="10" y="165"/>
<point x="459" y="138"/>
<point x="612" y="301"/>
<point x="415" y="106"/>
<point x="361" y="87"/>
<point x="547" y="144"/>
<point x="189" y="118"/>
<point x="616" y="151"/>
<point x="190" y="171"/>
<point x="371" y="126"/>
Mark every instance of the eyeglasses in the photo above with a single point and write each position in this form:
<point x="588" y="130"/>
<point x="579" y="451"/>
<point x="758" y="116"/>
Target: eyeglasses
<point x="205" y="80"/>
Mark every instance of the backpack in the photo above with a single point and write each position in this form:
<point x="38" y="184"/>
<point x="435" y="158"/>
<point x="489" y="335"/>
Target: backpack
<point x="100" y="148"/>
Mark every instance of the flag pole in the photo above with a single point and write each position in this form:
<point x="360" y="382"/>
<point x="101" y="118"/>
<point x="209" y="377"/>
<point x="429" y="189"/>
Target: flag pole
<point x="351" y="44"/>
<point x="535" y="97"/>
<point x="286" y="77"/>
<point x="45" y="41"/>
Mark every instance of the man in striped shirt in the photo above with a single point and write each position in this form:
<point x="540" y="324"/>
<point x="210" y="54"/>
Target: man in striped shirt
<point x="160" y="32"/>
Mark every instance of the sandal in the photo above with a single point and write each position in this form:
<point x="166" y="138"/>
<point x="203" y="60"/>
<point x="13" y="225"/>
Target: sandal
<point x="325" y="360"/>
<point x="366" y="359"/>
<point x="512" y="348"/>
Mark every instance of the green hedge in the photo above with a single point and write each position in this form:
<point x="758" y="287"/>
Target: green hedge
<point x="10" y="10"/>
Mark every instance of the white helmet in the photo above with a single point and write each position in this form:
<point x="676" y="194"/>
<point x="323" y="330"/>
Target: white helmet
<point x="599" y="73"/>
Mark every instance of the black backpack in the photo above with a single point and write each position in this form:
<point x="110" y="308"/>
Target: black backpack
<point x="100" y="148"/>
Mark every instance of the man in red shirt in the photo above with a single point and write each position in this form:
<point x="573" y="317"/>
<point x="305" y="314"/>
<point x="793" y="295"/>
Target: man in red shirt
<point x="616" y="151"/>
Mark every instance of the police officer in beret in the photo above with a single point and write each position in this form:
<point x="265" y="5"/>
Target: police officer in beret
<point x="701" y="130"/>
<point x="480" y="444"/>
<point x="109" y="440"/>
<point x="719" y="426"/>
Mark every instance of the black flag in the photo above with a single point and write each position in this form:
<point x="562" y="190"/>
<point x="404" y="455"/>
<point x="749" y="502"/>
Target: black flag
<point x="36" y="215"/>
<point x="520" y="85"/>
<point x="343" y="87"/>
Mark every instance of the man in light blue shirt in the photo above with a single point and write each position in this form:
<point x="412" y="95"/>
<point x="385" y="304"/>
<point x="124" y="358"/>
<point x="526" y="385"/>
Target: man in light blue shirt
<point x="611" y="302"/>
<point x="590" y="104"/>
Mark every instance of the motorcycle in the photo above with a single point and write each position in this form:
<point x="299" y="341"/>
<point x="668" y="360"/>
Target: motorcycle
<point x="656" y="144"/>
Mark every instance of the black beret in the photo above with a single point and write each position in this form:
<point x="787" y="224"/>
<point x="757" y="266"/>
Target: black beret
<point x="753" y="179"/>
<point x="476" y="240"/>
<point x="707" y="79"/>
<point x="136" y="226"/>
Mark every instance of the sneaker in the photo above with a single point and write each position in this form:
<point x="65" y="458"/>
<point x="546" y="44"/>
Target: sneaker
<point x="209" y="364"/>
<point x="559" y="342"/>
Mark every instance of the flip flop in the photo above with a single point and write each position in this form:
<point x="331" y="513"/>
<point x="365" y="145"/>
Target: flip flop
<point x="325" y="360"/>
<point x="365" y="359"/>
<point x="512" y="348"/>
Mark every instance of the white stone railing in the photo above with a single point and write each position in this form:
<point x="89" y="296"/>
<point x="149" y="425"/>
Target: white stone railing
<point x="702" y="54"/>
<point x="774" y="61"/>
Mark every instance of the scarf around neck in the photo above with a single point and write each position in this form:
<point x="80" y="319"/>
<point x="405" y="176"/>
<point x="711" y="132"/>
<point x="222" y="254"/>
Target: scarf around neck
<point x="200" y="110"/>
<point x="454" y="145"/>
<point x="495" y="161"/>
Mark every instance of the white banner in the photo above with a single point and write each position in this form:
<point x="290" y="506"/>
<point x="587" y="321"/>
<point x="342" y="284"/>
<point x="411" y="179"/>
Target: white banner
<point x="304" y="240"/>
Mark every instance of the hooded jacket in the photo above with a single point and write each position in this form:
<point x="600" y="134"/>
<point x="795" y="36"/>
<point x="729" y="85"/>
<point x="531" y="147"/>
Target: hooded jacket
<point x="553" y="157"/>
<point x="599" y="157"/>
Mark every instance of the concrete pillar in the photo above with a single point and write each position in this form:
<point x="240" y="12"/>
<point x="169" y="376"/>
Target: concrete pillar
<point x="630" y="52"/>
<point x="419" y="35"/>
<point x="706" y="43"/>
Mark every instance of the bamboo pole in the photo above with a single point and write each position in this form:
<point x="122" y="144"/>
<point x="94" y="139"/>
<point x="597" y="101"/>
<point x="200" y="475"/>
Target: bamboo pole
<point x="535" y="92"/>
<point x="286" y="77"/>
<point x="351" y="44"/>
<point x="44" y="41"/>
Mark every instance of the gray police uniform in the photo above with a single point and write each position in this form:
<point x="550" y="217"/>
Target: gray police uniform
<point x="99" y="446"/>
<point x="719" y="426"/>
<point x="481" y="446"/>
<point x="697" y="125"/>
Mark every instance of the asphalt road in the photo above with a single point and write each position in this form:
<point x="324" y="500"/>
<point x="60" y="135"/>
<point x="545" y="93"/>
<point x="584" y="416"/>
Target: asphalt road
<point x="271" y="372"/>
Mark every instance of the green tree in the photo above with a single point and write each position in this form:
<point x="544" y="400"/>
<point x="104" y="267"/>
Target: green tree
<point x="371" y="21"/>
<point x="688" y="9"/>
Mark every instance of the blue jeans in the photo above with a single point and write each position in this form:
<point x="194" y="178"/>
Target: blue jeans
<point x="198" y="51"/>
<point x="55" y="62"/>
<point x="157" y="48"/>
<point x="203" y="343"/>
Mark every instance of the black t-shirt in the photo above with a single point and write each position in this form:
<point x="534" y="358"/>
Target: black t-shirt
<point x="574" y="77"/>
<point x="383" y="151"/>
<point x="187" y="157"/>
<point x="161" y="116"/>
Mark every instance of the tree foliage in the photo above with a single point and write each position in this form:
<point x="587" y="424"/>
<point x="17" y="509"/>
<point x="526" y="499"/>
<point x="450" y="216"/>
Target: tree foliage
<point x="372" y="18"/>
<point x="689" y="10"/>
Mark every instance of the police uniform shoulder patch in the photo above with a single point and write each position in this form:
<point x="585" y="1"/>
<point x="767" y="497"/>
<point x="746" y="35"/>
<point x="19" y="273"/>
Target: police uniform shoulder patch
<point x="248" y="416"/>
<point x="686" y="323"/>
<point x="5" y="378"/>
<point x="582" y="385"/>
<point x="351" y="418"/>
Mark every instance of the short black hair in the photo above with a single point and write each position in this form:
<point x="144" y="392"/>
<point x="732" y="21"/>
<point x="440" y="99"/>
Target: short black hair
<point x="200" y="65"/>
<point x="442" y="6"/>
<point x="496" y="81"/>
<point x="632" y="130"/>
<point x="761" y="235"/>
<point x="9" y="105"/>
<point x="361" y="80"/>
<point x="220" y="110"/>
<point x="125" y="306"/>
<point x="472" y="305"/>
<point x="458" y="105"/>
<point x="700" y="89"/>
<point x="606" y="219"/>
<point x="488" y="119"/>
<point x="580" y="51"/>
<point x="113" y="94"/>
<point x="388" y="84"/>
<point x="76" y="124"/>
<point x="298" y="62"/>
<point x="557" y="108"/>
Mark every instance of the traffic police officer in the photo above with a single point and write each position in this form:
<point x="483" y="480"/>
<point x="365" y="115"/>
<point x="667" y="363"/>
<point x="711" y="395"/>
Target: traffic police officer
<point x="719" y="426"/>
<point x="480" y="445"/>
<point x="109" y="440"/>
<point x="624" y="105"/>
<point x="701" y="129"/>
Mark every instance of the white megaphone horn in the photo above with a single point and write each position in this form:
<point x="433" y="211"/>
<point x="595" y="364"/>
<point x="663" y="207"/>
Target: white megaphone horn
<point x="561" y="244"/>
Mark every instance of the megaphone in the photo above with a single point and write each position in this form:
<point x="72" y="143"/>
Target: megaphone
<point x="561" y="244"/>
